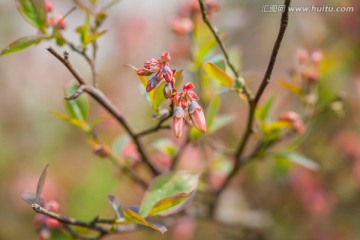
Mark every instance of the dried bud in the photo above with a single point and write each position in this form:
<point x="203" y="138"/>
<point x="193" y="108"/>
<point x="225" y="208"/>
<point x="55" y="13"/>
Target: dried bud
<point x="178" y="121"/>
<point x="152" y="83"/>
<point x="49" y="6"/>
<point x="168" y="90"/>
<point x="102" y="150"/>
<point x="197" y="116"/>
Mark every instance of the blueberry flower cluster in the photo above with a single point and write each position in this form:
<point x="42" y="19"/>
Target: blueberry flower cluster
<point x="184" y="101"/>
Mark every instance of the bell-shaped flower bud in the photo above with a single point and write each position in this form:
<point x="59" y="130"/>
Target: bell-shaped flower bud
<point x="152" y="83"/>
<point x="168" y="74"/>
<point x="49" y="6"/>
<point x="168" y="90"/>
<point x="294" y="119"/>
<point x="165" y="57"/>
<point x="151" y="63"/>
<point x="178" y="121"/>
<point x="197" y="116"/>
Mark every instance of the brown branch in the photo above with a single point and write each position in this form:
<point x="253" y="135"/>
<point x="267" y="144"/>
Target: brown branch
<point x="239" y="162"/>
<point x="100" y="97"/>
<point x="206" y="20"/>
<point x="155" y="128"/>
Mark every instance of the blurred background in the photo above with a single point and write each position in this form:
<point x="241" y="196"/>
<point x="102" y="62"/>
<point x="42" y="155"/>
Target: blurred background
<point x="273" y="201"/>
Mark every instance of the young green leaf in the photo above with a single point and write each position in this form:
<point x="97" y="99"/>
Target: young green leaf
<point x="219" y="75"/>
<point x="34" y="12"/>
<point x="40" y="185"/>
<point x="29" y="197"/>
<point x="262" y="112"/>
<point x="290" y="86"/>
<point x="119" y="143"/>
<point x="76" y="122"/>
<point x="133" y="217"/>
<point x="23" y="43"/>
<point x="167" y="186"/>
<point x="218" y="61"/>
<point x="212" y="110"/>
<point x="158" y="96"/>
<point x="79" y="107"/>
<point x="170" y="205"/>
<point x="299" y="159"/>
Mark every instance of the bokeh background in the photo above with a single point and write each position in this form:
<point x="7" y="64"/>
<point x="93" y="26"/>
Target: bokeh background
<point x="274" y="202"/>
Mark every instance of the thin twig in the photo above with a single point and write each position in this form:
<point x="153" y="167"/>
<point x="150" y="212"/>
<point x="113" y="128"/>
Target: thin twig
<point x="206" y="20"/>
<point x="100" y="97"/>
<point x="254" y="102"/>
<point x="155" y="128"/>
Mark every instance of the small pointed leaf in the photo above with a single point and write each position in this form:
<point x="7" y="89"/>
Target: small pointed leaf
<point x="133" y="217"/>
<point x="170" y="205"/>
<point x="34" y="12"/>
<point x="81" y="124"/>
<point x="158" y="96"/>
<point x="77" y="108"/>
<point x="299" y="159"/>
<point x="219" y="75"/>
<point x="40" y="185"/>
<point x="23" y="43"/>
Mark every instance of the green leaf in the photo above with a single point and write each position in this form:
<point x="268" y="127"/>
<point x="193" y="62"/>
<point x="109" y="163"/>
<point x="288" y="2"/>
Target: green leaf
<point x="94" y="36"/>
<point x="166" y="186"/>
<point x="84" y="30"/>
<point x="290" y="86"/>
<point x="23" y="43"/>
<point x="158" y="95"/>
<point x="76" y="122"/>
<point x="218" y="61"/>
<point x="165" y="145"/>
<point x="34" y="12"/>
<point x="219" y="75"/>
<point x="262" y="112"/>
<point x="205" y="49"/>
<point x="179" y="77"/>
<point x="212" y="110"/>
<point x="299" y="159"/>
<point x="79" y="107"/>
<point x="40" y="185"/>
<point x="133" y="217"/>
<point x="169" y="205"/>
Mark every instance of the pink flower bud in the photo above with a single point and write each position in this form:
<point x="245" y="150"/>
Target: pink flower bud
<point x="316" y="56"/>
<point x="49" y="6"/>
<point x="44" y="234"/>
<point x="197" y="116"/>
<point x="302" y="56"/>
<point x="143" y="72"/>
<point x="168" y="74"/>
<point x="151" y="83"/>
<point x="294" y="119"/>
<point x="60" y="21"/>
<point x="151" y="63"/>
<point x="53" y="223"/>
<point x="178" y="121"/>
<point x="188" y="86"/>
<point x="165" y="57"/>
<point x="182" y="26"/>
<point x="53" y="206"/>
<point x="168" y="89"/>
<point x="192" y="95"/>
